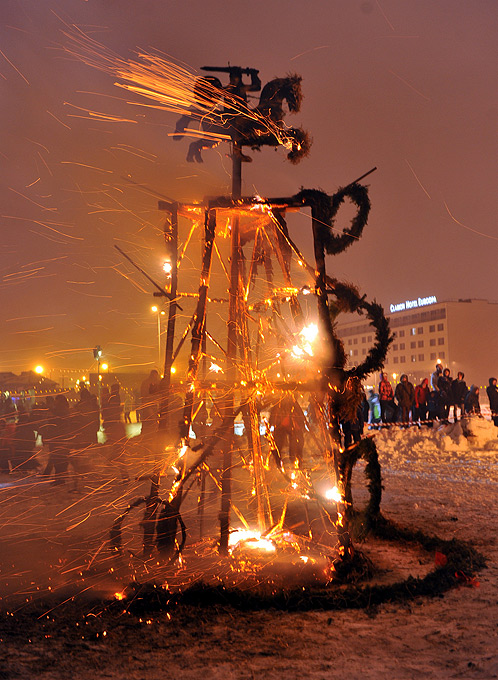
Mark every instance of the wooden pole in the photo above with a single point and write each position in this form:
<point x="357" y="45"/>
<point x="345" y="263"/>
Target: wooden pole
<point x="152" y="500"/>
<point x="232" y="373"/>
<point x="172" y="243"/>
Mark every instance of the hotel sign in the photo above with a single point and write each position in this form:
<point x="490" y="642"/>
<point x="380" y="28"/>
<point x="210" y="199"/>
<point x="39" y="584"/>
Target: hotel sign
<point x="410" y="304"/>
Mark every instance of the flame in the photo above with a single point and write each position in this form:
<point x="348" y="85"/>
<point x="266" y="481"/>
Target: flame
<point x="333" y="495"/>
<point x="250" y="539"/>
<point x="310" y="332"/>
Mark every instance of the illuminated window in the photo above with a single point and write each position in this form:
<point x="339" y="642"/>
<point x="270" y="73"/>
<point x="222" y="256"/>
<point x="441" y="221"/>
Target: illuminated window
<point x="414" y="357"/>
<point x="413" y="331"/>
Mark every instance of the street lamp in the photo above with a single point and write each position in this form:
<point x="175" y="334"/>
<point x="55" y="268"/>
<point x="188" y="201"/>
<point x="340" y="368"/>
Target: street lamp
<point x="155" y="309"/>
<point x="39" y="369"/>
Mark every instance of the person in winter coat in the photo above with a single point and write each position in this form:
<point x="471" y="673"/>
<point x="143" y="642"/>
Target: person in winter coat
<point x="288" y="422"/>
<point x="24" y="444"/>
<point x="459" y="391"/>
<point x="386" y="398"/>
<point x="445" y="398"/>
<point x="472" y="405"/>
<point x="115" y="431"/>
<point x="6" y="445"/>
<point x="433" y="383"/>
<point x="435" y="378"/>
<point x="87" y="418"/>
<point x="149" y="402"/>
<point x="353" y="429"/>
<point x="58" y="434"/>
<point x="492" y="392"/>
<point x="374" y="408"/>
<point x="405" y="396"/>
<point x="421" y="396"/>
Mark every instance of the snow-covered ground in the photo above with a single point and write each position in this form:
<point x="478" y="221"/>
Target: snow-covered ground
<point x="440" y="480"/>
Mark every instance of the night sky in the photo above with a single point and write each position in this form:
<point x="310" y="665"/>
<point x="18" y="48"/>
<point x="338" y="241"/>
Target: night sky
<point x="407" y="86"/>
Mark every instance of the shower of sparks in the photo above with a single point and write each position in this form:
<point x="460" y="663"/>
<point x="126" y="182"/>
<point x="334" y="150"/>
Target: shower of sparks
<point x="172" y="87"/>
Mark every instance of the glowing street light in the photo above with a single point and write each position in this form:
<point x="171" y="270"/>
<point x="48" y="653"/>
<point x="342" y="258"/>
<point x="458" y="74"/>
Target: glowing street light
<point x="167" y="268"/>
<point x="39" y="369"/>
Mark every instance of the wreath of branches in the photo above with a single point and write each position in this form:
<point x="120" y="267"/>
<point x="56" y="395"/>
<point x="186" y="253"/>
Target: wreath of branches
<point x="462" y="562"/>
<point x="324" y="210"/>
<point x="349" y="300"/>
<point x="364" y="521"/>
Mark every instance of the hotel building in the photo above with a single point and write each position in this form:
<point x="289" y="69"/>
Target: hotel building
<point x="460" y="334"/>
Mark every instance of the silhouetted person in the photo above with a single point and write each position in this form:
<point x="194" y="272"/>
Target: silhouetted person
<point x="472" y="405"/>
<point x="6" y="446"/>
<point x="458" y="393"/>
<point x="24" y="444"/>
<point x="445" y="397"/>
<point x="421" y="397"/>
<point x="386" y="399"/>
<point x="435" y="397"/>
<point x="59" y="435"/>
<point x="87" y="419"/>
<point x="492" y="392"/>
<point x="405" y="396"/>
<point x="353" y="429"/>
<point x="115" y="432"/>
<point x="288" y="421"/>
<point x="149" y="406"/>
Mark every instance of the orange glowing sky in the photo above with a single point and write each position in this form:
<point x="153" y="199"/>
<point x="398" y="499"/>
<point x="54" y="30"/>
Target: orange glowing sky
<point x="407" y="86"/>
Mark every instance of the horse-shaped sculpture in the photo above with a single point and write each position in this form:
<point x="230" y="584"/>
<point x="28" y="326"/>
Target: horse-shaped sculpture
<point x="256" y="127"/>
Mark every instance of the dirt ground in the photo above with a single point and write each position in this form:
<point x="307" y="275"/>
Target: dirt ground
<point x="453" y="636"/>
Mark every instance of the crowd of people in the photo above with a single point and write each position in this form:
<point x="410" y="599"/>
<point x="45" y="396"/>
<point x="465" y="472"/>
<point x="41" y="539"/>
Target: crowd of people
<point x="432" y="400"/>
<point x="66" y="431"/>
<point x="69" y="430"/>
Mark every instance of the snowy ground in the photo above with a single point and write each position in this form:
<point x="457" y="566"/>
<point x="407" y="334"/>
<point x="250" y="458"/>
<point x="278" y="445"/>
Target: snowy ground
<point x="437" y="480"/>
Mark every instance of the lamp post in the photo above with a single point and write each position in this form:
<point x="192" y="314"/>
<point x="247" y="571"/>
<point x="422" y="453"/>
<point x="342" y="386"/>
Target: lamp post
<point x="155" y="309"/>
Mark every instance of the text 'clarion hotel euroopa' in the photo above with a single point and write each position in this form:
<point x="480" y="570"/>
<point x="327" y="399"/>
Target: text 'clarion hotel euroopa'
<point x="410" y="304"/>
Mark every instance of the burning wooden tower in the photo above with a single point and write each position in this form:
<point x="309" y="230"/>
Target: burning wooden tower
<point x="267" y="325"/>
